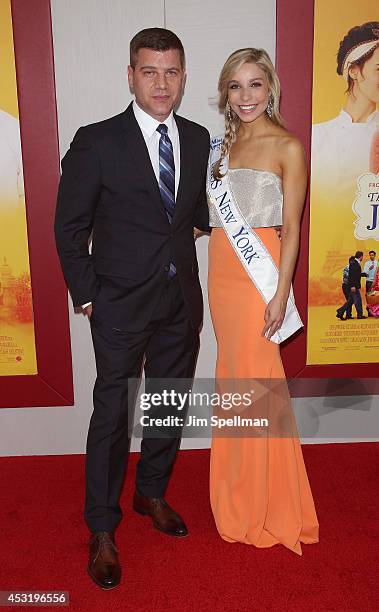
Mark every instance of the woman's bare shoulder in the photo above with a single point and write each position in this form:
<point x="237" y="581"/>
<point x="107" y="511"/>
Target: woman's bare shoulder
<point x="289" y="147"/>
<point x="288" y="141"/>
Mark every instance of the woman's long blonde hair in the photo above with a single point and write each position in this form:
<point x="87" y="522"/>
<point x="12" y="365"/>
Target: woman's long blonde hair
<point x="261" y="58"/>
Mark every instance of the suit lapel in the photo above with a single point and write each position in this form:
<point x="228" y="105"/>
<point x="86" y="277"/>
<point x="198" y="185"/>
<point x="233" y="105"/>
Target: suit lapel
<point x="185" y="165"/>
<point x="133" y="145"/>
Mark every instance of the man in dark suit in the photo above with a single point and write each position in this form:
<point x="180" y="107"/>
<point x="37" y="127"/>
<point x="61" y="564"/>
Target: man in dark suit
<point x="354" y="283"/>
<point x="137" y="183"/>
<point x="347" y="306"/>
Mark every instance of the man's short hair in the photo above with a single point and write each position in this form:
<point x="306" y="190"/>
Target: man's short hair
<point x="358" y="254"/>
<point x="373" y="252"/>
<point x="158" y="39"/>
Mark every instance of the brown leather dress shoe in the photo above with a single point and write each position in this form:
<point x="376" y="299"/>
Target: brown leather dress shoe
<point x="164" y="517"/>
<point x="103" y="564"/>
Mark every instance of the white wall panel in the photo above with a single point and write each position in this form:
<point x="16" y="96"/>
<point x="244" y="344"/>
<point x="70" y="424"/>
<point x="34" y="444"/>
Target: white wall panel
<point x="91" y="50"/>
<point x="210" y="31"/>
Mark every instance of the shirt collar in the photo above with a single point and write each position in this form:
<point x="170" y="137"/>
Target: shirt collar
<point x="147" y="123"/>
<point x="345" y="118"/>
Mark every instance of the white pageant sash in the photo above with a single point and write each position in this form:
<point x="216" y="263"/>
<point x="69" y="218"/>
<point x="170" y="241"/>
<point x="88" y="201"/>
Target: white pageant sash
<point x="249" y="248"/>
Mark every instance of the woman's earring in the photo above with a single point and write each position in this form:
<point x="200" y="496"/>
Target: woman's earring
<point x="228" y="112"/>
<point x="270" y="106"/>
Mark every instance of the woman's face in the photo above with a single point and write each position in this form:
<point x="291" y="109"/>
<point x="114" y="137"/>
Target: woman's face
<point x="367" y="79"/>
<point x="248" y="92"/>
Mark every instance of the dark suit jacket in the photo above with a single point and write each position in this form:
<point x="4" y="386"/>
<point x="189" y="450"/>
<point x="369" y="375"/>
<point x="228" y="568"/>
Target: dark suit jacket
<point x="108" y="187"/>
<point x="355" y="273"/>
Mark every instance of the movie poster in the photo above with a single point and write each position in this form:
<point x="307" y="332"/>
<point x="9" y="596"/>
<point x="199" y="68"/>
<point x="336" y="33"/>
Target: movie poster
<point x="343" y="298"/>
<point x="17" y="343"/>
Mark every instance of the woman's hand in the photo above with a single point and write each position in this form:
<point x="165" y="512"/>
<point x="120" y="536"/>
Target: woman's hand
<point x="274" y="315"/>
<point x="197" y="233"/>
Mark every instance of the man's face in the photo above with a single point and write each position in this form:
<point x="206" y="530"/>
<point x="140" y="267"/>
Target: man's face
<point x="157" y="81"/>
<point x="372" y="256"/>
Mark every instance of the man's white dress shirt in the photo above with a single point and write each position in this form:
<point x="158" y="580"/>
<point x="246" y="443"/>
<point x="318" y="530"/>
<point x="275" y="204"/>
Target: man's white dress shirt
<point x="148" y="126"/>
<point x="370" y="273"/>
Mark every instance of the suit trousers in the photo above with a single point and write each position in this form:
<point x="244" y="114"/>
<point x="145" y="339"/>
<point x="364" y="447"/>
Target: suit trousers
<point x="346" y="292"/>
<point x="166" y="348"/>
<point x="354" y="297"/>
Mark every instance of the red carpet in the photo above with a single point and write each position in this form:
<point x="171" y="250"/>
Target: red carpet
<point x="43" y="541"/>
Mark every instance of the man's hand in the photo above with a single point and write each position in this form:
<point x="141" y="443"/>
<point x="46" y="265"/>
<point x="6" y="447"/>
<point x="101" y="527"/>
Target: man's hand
<point x="88" y="311"/>
<point x="352" y="289"/>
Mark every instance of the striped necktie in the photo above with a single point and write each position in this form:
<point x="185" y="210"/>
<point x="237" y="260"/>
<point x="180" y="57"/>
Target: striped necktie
<point x="167" y="178"/>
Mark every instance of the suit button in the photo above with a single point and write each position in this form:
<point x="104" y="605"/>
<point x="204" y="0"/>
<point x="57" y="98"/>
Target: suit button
<point x="166" y="268"/>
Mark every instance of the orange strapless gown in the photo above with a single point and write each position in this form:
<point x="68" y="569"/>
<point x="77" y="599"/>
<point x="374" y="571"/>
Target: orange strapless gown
<point x="259" y="489"/>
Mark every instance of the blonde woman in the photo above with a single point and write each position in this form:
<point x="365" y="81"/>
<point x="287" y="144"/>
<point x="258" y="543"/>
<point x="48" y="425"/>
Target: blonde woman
<point x="259" y="488"/>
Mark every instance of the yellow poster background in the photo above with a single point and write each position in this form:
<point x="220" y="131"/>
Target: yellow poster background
<point x="17" y="341"/>
<point x="337" y="146"/>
